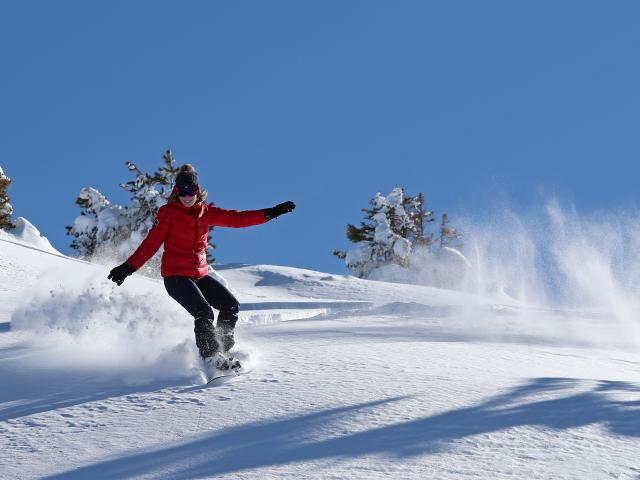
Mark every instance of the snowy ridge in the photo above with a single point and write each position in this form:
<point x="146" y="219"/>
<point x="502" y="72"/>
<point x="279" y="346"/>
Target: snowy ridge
<point x="26" y="234"/>
<point x="351" y="379"/>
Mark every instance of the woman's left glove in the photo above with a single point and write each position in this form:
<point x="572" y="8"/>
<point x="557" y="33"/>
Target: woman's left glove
<point x="279" y="209"/>
<point x="119" y="273"/>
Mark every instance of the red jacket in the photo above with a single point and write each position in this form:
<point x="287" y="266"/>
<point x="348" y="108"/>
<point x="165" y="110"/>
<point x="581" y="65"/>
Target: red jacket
<point x="184" y="232"/>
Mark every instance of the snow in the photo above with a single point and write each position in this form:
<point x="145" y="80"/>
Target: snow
<point x="25" y="233"/>
<point x="383" y="233"/>
<point x="6" y="209"/>
<point x="446" y="267"/>
<point x="84" y="223"/>
<point x="359" y="254"/>
<point x="402" y="247"/>
<point x="350" y="378"/>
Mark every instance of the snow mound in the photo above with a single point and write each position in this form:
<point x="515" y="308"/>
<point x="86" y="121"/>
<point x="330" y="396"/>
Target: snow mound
<point x="26" y="233"/>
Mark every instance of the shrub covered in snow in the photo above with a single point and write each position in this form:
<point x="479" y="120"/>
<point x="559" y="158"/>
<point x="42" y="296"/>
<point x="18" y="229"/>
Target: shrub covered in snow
<point x="386" y="235"/>
<point x="109" y="230"/>
<point x="392" y="243"/>
<point x="6" y="210"/>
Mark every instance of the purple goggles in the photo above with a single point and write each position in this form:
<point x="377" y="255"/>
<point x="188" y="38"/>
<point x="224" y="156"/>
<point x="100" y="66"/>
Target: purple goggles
<point x="187" y="190"/>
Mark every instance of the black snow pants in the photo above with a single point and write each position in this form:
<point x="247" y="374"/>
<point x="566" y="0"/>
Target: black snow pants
<point x="199" y="297"/>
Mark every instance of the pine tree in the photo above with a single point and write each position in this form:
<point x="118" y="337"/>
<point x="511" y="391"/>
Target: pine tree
<point x="146" y="198"/>
<point x="400" y="221"/>
<point x="167" y="174"/>
<point x="394" y="232"/>
<point x="104" y="229"/>
<point x="88" y="229"/>
<point x="379" y="241"/>
<point x="108" y="229"/>
<point x="365" y="232"/>
<point x="6" y="209"/>
<point x="421" y="218"/>
<point x="407" y="217"/>
<point x="448" y="234"/>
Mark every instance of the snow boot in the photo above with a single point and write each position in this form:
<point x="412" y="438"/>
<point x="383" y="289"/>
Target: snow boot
<point x="224" y="329"/>
<point x="205" y="337"/>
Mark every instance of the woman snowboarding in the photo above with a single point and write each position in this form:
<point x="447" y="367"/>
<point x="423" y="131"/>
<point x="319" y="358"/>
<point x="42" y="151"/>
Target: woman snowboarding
<point x="183" y="226"/>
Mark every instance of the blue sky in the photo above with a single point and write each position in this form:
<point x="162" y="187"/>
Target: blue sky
<point x="323" y="103"/>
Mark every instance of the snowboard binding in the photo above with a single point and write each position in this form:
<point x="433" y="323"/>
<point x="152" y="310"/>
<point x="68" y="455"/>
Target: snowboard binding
<point x="225" y="362"/>
<point x="222" y="362"/>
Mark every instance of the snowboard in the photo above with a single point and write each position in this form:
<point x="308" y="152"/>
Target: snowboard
<point x="220" y="375"/>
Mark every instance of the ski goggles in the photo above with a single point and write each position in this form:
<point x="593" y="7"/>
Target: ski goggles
<point x="187" y="190"/>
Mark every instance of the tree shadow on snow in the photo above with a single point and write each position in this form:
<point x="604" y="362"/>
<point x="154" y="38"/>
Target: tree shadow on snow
<point x="546" y="403"/>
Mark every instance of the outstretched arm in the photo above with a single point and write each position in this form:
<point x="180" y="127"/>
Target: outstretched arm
<point x="220" y="217"/>
<point x="245" y="218"/>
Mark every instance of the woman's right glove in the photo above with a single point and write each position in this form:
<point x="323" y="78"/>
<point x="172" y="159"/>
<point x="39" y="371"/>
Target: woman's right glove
<point x="119" y="273"/>
<point x="278" y="210"/>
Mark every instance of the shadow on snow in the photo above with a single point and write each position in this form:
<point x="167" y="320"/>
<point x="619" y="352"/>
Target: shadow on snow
<point x="28" y="391"/>
<point x="555" y="405"/>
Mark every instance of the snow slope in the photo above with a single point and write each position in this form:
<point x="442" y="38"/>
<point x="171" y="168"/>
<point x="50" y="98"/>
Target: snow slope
<point x="25" y="233"/>
<point x="351" y="379"/>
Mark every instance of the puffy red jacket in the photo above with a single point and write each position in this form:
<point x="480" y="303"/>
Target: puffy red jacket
<point x="184" y="232"/>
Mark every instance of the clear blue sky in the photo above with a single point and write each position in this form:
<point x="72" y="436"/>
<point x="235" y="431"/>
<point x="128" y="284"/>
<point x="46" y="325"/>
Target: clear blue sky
<point x="323" y="103"/>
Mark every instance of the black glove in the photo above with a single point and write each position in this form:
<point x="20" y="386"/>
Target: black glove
<point x="121" y="272"/>
<point x="278" y="210"/>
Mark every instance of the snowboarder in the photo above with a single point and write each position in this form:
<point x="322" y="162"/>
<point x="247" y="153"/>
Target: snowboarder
<point x="183" y="226"/>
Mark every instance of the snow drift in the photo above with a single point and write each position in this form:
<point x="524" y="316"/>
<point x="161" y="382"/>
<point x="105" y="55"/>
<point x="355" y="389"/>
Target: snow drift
<point x="26" y="234"/>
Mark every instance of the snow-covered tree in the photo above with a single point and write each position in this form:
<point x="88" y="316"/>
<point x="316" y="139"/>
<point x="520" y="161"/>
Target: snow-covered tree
<point x="6" y="209"/>
<point x="99" y="223"/>
<point x="448" y="234"/>
<point x="421" y="219"/>
<point x="106" y="229"/>
<point x="148" y="193"/>
<point x="381" y="238"/>
<point x="393" y="233"/>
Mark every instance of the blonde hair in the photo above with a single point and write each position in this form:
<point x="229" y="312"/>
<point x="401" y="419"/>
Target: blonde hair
<point x="174" y="197"/>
